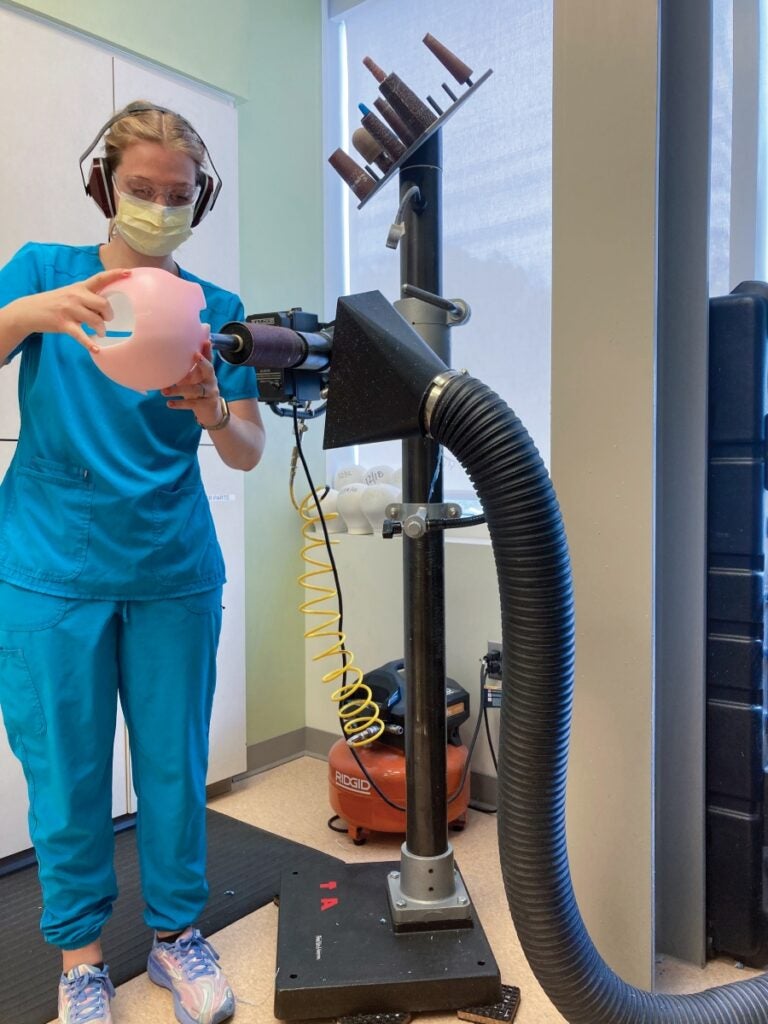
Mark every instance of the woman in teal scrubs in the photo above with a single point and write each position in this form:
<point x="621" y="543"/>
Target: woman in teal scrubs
<point x="111" y="577"/>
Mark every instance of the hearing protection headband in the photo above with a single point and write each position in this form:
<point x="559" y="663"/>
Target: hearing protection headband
<point x="99" y="184"/>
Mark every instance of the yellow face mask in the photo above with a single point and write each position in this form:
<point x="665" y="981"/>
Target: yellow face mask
<point x="150" y="228"/>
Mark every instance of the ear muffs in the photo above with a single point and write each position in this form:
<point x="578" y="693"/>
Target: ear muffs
<point x="99" y="183"/>
<point x="99" y="187"/>
<point x="206" y="198"/>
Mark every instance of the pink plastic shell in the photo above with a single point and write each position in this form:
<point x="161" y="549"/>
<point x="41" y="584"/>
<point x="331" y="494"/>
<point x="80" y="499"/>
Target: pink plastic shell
<point x="166" y="330"/>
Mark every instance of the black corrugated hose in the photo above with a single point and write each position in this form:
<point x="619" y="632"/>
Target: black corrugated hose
<point x="531" y="554"/>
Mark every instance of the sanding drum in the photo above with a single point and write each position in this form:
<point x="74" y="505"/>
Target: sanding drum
<point x="267" y="347"/>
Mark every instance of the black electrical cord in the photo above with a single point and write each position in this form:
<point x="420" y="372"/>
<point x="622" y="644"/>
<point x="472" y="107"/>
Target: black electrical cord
<point x="329" y="548"/>
<point x="476" y="806"/>
<point x="456" y="524"/>
<point x="490" y="738"/>
<point x="333" y="828"/>
<point x="436" y="474"/>
<point x="342" y="649"/>
<point x="473" y="741"/>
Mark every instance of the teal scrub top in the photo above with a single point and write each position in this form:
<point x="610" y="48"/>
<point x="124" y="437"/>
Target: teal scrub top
<point x="103" y="498"/>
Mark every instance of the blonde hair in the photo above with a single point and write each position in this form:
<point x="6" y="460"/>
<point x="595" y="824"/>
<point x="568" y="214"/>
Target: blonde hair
<point x="169" y="129"/>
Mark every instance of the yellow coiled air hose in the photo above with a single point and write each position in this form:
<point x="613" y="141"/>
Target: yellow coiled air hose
<point x="359" y="714"/>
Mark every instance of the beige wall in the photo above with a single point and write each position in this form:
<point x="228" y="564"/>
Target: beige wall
<point x="602" y="457"/>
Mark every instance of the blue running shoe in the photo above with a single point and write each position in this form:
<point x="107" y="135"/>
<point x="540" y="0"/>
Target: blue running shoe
<point x="201" y="993"/>
<point x="84" y="995"/>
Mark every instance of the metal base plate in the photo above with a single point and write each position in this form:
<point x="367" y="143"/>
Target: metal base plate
<point x="338" y="952"/>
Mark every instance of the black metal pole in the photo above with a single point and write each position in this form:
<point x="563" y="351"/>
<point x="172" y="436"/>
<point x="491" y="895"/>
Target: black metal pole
<point x="423" y="562"/>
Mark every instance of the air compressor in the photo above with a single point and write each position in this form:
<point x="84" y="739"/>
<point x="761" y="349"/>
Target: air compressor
<point x="367" y="785"/>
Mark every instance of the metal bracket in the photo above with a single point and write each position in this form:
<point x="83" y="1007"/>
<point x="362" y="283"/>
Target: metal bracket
<point x="456" y="909"/>
<point x="428" y="890"/>
<point x="457" y="311"/>
<point x="413" y="519"/>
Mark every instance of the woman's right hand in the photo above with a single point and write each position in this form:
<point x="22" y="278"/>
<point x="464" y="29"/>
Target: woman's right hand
<point x="64" y="310"/>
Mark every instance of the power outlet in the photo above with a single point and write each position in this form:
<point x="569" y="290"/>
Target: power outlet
<point x="494" y="649"/>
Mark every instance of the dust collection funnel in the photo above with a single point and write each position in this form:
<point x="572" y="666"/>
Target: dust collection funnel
<point x="380" y="372"/>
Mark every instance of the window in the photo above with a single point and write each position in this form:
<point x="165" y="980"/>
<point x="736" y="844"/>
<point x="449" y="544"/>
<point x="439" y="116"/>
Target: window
<point x="496" y="190"/>
<point x="497" y="184"/>
<point x="720" y="187"/>
<point x="739" y="197"/>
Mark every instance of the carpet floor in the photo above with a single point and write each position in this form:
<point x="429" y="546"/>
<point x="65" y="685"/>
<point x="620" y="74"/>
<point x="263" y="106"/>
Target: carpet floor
<point x="245" y="864"/>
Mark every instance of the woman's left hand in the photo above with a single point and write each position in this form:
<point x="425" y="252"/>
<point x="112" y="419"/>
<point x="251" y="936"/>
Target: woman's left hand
<point x="199" y="390"/>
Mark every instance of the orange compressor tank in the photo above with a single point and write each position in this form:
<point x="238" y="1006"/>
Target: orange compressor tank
<point x="355" y="800"/>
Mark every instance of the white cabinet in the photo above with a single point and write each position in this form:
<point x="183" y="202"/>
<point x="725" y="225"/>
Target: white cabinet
<point x="14" y="835"/>
<point x="9" y="411"/>
<point x="57" y="90"/>
<point x="226" y="493"/>
<point x="44" y="201"/>
<point x="225" y="488"/>
<point x="7" y="447"/>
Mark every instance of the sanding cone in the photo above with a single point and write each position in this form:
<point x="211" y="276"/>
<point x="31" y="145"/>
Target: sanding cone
<point x="395" y="122"/>
<point x="367" y="146"/>
<point x="460" y="71"/>
<point x="416" y="114"/>
<point x="388" y="141"/>
<point x="358" y="179"/>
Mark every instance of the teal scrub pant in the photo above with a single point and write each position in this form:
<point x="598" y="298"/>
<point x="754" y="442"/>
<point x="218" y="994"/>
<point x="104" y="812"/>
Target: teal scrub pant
<point x="63" y="663"/>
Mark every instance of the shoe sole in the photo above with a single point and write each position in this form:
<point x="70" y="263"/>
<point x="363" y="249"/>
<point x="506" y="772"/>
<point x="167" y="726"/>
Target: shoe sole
<point x="158" y="976"/>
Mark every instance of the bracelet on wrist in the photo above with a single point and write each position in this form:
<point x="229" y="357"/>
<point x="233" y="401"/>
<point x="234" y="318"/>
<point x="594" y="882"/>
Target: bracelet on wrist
<point x="222" y="421"/>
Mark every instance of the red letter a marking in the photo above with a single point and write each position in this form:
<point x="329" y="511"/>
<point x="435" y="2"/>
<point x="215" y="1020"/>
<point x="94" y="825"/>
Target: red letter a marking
<point x="326" y="902"/>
